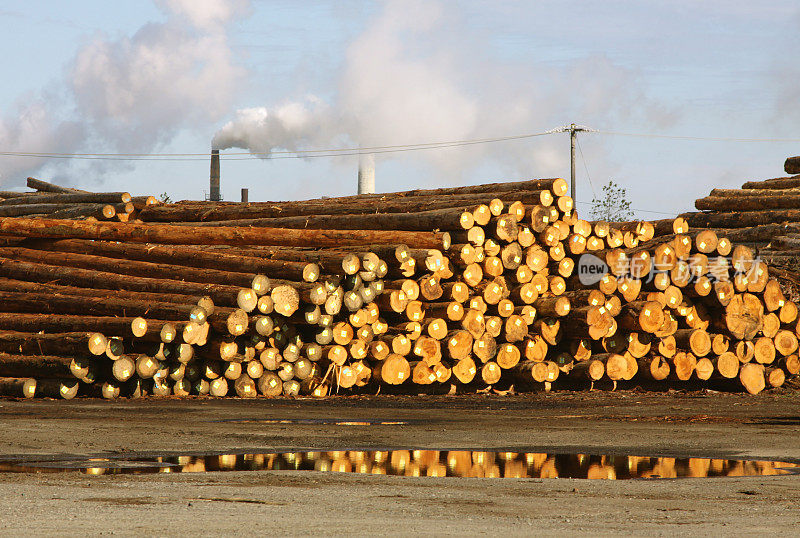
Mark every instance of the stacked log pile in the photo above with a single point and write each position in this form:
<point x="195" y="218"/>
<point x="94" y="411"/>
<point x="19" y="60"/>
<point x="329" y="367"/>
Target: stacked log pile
<point x="445" y="290"/>
<point x="57" y="202"/>
<point x="764" y="215"/>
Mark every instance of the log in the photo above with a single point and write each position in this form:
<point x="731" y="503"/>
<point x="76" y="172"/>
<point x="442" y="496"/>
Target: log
<point x="591" y="369"/>
<point x="328" y="206"/>
<point x="331" y="261"/>
<point x="748" y="203"/>
<point x="105" y="211"/>
<point x="447" y="218"/>
<point x="751" y="376"/>
<point x="195" y="235"/>
<point x="118" y="326"/>
<point x="683" y="364"/>
<point x="36" y="272"/>
<point x="41" y="365"/>
<point x="186" y="256"/>
<point x="31" y="302"/>
<point x="792" y="165"/>
<point x="29" y="343"/>
<point x="695" y="340"/>
<point x="98" y="211"/>
<point x="647" y="316"/>
<point x="654" y="367"/>
<point x="55" y="388"/>
<point x="162" y="271"/>
<point x="744" y="316"/>
<point x="7" y="284"/>
<point x="69" y="198"/>
<point x="16" y="387"/>
<point x="741" y="218"/>
<point x="44" y="186"/>
<point x="727" y="364"/>
<point x="779" y="183"/>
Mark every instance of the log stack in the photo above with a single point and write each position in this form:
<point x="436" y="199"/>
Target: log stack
<point x="48" y="200"/>
<point x="764" y="215"/>
<point x="430" y="291"/>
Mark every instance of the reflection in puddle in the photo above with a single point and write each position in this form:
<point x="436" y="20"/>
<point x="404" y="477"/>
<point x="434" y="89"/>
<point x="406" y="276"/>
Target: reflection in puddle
<point x="436" y="463"/>
<point x="317" y="421"/>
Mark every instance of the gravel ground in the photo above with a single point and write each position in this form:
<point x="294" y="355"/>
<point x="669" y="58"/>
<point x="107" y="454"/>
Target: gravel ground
<point x="720" y="425"/>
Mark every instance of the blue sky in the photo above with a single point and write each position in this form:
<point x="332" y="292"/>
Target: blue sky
<point x="167" y="76"/>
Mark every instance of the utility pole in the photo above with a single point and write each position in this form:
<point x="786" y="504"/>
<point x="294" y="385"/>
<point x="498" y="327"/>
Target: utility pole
<point x="573" y="138"/>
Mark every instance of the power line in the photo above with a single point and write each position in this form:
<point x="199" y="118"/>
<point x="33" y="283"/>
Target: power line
<point x="697" y="138"/>
<point x="337" y="152"/>
<point x="297" y="154"/>
<point x="641" y="210"/>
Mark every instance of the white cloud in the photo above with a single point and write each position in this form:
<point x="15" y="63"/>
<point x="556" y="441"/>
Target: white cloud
<point x="206" y="14"/>
<point x="415" y="76"/>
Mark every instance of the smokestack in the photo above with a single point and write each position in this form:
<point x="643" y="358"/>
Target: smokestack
<point x="214" y="194"/>
<point x="366" y="174"/>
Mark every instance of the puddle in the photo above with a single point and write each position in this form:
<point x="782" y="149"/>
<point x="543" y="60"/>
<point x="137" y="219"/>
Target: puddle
<point x="433" y="463"/>
<point x="319" y="421"/>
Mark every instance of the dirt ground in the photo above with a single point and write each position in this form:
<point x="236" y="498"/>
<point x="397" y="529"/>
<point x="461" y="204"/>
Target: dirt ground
<point x="303" y="503"/>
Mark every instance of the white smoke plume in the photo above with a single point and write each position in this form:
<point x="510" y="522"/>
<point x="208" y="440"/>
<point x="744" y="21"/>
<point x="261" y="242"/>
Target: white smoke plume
<point x="291" y="126"/>
<point x="130" y="94"/>
<point x="407" y="81"/>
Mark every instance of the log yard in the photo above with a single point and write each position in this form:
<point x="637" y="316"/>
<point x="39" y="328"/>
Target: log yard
<point x="399" y="267"/>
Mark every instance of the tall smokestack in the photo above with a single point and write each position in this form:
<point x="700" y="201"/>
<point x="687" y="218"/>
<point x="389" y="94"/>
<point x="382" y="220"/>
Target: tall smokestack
<point x="366" y="174"/>
<point x="214" y="194"/>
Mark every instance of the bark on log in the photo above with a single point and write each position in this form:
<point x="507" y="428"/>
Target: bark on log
<point x="45" y="303"/>
<point x="70" y="198"/>
<point x="37" y="272"/>
<point x="557" y="186"/>
<point x="30" y="365"/>
<point x="17" y="387"/>
<point x="44" y="186"/>
<point x="195" y="235"/>
<point x="331" y="206"/>
<point x="29" y="343"/>
<point x="124" y="267"/>
<point x="741" y="218"/>
<point x="70" y="211"/>
<point x="748" y="203"/>
<point x="792" y="165"/>
<point x="457" y="218"/>
<point x="778" y="183"/>
<point x="184" y="256"/>
<point x="7" y="284"/>
<point x="116" y="326"/>
<point x="99" y="211"/>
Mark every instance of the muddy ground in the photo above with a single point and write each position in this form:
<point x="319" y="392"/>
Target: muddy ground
<point x="302" y="503"/>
